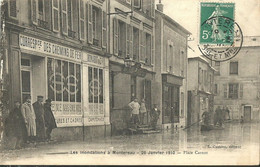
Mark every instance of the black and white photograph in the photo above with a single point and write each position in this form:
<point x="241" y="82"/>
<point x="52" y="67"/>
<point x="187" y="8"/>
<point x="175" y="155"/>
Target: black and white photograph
<point x="129" y="82"/>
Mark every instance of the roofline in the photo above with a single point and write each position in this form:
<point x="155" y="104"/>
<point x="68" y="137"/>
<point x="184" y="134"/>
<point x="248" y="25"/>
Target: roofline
<point x="173" y="22"/>
<point x="202" y="60"/>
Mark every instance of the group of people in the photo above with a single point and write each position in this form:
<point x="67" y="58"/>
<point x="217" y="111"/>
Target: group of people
<point x="221" y="115"/>
<point x="29" y="123"/>
<point x="139" y="112"/>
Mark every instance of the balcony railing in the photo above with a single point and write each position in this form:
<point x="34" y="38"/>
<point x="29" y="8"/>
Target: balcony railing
<point x="71" y="34"/>
<point x="43" y="24"/>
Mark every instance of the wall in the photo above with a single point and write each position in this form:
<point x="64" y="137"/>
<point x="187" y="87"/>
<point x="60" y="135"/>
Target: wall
<point x="248" y="75"/>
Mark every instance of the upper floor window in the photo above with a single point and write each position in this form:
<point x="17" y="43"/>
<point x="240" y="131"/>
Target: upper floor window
<point x="135" y="43"/>
<point x="137" y="3"/>
<point x="217" y="63"/>
<point x="12" y="10"/>
<point x="233" y="68"/>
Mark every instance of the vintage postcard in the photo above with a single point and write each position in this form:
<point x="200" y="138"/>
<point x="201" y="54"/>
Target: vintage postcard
<point x="129" y="82"/>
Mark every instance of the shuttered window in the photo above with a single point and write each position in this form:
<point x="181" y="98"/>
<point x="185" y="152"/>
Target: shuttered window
<point x="81" y="21"/>
<point x="55" y="16"/>
<point x="142" y="45"/>
<point x="152" y="57"/>
<point x="225" y="90"/>
<point x="12" y="9"/>
<point x="129" y="41"/>
<point x="64" y="15"/>
<point x="104" y="29"/>
<point x="34" y="11"/>
<point x="152" y="8"/>
<point x="148" y="49"/>
<point x="241" y="90"/>
<point x="115" y="28"/>
<point x="90" y="24"/>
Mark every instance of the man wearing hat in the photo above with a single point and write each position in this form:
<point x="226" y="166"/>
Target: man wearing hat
<point x="49" y="119"/>
<point x="40" y="123"/>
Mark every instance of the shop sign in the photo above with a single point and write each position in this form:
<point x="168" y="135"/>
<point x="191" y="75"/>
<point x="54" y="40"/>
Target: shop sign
<point x="45" y="47"/>
<point x="93" y="59"/>
<point x="67" y="114"/>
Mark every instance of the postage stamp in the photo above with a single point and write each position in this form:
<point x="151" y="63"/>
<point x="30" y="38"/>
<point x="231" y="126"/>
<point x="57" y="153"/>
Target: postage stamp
<point x="220" y="37"/>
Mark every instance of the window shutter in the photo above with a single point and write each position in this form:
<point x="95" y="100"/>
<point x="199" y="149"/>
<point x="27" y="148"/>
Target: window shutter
<point x="144" y="47"/>
<point x="115" y="28"/>
<point x="141" y="45"/>
<point x="152" y="49"/>
<point x="225" y="90"/>
<point x="90" y="30"/>
<point x="152" y="8"/>
<point x="47" y="8"/>
<point x="75" y="17"/>
<point x="12" y="9"/>
<point x="81" y="21"/>
<point x="129" y="41"/>
<point x="64" y="9"/>
<point x="104" y="29"/>
<point x="55" y="15"/>
<point x="34" y="11"/>
<point x="241" y="90"/>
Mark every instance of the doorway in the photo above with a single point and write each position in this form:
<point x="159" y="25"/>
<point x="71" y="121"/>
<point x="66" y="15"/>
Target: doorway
<point x="26" y="76"/>
<point x="247" y="113"/>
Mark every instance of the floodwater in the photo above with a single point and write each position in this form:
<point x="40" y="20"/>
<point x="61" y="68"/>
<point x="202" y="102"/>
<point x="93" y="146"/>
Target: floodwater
<point x="237" y="144"/>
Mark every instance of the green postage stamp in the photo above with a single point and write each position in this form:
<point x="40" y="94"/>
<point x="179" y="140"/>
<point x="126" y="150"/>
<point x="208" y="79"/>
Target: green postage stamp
<point x="215" y="19"/>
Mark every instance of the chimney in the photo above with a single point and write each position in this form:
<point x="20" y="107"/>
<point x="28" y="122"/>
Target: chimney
<point x="160" y="6"/>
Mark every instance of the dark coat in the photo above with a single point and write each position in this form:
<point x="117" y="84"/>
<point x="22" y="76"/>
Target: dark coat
<point x="155" y="114"/>
<point x="15" y="125"/>
<point x="49" y="117"/>
<point x="40" y="123"/>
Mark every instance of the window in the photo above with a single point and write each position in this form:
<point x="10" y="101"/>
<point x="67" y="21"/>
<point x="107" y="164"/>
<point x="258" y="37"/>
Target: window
<point x="41" y="9"/>
<point x="12" y="9"/>
<point x="142" y="46"/>
<point x="135" y="44"/>
<point x="64" y="80"/>
<point x="233" y="70"/>
<point x="55" y="16"/>
<point x="148" y="49"/>
<point x="137" y="3"/>
<point x="115" y="32"/>
<point x="64" y="16"/>
<point x="129" y="41"/>
<point x="122" y="39"/>
<point x="81" y="20"/>
<point x="96" y="91"/>
<point x="233" y="91"/>
<point x="97" y="26"/>
<point x="104" y="29"/>
<point x="94" y="21"/>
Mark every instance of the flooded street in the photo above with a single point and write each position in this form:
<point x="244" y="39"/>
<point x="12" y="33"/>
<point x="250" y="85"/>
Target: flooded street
<point x="188" y="146"/>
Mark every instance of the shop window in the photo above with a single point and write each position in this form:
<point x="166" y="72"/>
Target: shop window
<point x="12" y="9"/>
<point x="64" y="80"/>
<point x="96" y="90"/>
<point x="233" y="68"/>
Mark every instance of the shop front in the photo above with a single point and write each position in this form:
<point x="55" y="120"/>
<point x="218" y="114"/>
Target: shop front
<point x="75" y="80"/>
<point x="171" y="99"/>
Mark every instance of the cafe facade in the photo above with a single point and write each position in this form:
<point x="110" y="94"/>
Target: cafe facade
<point x="69" y="67"/>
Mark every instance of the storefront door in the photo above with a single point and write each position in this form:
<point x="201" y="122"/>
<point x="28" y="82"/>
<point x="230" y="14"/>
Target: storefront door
<point x="26" y="78"/>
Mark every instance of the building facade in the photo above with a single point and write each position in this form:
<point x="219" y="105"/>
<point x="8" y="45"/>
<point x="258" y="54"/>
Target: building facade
<point x="237" y="83"/>
<point x="58" y="49"/>
<point x="200" y="89"/>
<point x="132" y="58"/>
<point x="170" y="85"/>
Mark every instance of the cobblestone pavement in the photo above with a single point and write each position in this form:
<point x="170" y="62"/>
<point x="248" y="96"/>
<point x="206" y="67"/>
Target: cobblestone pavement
<point x="236" y="144"/>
